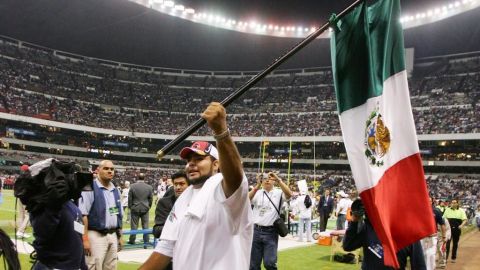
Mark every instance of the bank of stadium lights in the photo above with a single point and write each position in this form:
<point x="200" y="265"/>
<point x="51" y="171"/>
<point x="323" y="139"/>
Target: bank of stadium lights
<point x="258" y="27"/>
<point x="438" y="13"/>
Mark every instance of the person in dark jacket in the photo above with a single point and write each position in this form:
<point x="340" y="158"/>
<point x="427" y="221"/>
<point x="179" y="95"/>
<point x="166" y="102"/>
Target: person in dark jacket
<point x="360" y="234"/>
<point x="325" y="209"/>
<point x="48" y="190"/>
<point x="140" y="198"/>
<point x="165" y="204"/>
<point x="58" y="242"/>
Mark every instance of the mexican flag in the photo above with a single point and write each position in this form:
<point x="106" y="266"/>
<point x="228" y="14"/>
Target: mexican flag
<point x="377" y="124"/>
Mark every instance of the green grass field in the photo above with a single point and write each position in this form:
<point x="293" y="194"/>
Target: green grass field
<point x="311" y="257"/>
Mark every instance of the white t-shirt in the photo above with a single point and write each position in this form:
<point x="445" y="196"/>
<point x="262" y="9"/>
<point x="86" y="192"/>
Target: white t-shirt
<point x="161" y="189"/>
<point x="301" y="209"/>
<point x="264" y="213"/>
<point x="206" y="230"/>
<point x="343" y="205"/>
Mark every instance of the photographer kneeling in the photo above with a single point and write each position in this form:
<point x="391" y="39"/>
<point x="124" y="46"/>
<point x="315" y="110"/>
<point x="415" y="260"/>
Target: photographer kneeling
<point x="48" y="190"/>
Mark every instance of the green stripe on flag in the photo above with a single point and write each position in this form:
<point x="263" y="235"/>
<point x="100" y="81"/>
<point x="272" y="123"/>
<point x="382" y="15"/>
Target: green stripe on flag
<point x="367" y="48"/>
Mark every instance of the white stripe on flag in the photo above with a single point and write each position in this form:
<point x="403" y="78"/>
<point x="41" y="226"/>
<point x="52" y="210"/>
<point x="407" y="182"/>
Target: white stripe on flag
<point x="394" y="106"/>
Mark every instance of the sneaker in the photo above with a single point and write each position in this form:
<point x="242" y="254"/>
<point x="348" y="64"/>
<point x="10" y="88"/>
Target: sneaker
<point x="454" y="261"/>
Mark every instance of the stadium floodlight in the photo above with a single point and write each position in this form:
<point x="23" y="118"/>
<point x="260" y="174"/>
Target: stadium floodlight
<point x="452" y="8"/>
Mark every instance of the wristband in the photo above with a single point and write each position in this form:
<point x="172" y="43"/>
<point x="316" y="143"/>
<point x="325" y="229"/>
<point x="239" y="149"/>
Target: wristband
<point x="222" y="135"/>
<point x="85" y="237"/>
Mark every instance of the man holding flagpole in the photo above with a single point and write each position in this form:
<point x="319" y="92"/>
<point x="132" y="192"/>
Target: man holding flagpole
<point x="377" y="124"/>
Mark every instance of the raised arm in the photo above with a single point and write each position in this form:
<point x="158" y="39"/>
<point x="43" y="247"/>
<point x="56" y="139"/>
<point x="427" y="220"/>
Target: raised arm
<point x="252" y="192"/>
<point x="285" y="189"/>
<point x="230" y="161"/>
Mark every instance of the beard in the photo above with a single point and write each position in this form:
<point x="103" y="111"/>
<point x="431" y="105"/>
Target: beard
<point x="199" y="180"/>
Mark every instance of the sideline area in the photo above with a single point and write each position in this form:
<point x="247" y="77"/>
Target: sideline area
<point x="141" y="255"/>
<point x="468" y="255"/>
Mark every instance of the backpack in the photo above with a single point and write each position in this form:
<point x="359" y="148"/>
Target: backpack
<point x="307" y="201"/>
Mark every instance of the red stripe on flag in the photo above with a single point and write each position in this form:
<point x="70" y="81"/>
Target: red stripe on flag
<point x="398" y="207"/>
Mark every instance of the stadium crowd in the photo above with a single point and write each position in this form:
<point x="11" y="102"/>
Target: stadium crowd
<point x="88" y="92"/>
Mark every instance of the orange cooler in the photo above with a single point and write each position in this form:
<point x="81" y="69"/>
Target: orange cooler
<point x="324" y="240"/>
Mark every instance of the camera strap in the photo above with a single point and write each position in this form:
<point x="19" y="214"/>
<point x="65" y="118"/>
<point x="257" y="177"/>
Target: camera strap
<point x="279" y="205"/>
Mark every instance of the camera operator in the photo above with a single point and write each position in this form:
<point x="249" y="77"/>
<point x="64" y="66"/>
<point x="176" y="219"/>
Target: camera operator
<point x="47" y="190"/>
<point x="360" y="233"/>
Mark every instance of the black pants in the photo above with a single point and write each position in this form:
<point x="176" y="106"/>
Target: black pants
<point x="323" y="221"/>
<point x="456" y="232"/>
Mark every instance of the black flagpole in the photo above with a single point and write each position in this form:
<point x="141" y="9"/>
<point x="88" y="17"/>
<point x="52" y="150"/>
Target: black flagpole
<point x="200" y="122"/>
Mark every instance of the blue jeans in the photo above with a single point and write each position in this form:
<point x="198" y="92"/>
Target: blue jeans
<point x="264" y="246"/>
<point x="341" y="221"/>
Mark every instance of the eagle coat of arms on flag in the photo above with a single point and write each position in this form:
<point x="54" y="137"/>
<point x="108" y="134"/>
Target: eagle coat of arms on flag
<point x="377" y="138"/>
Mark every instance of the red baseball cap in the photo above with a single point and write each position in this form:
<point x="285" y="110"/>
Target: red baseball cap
<point x="200" y="148"/>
